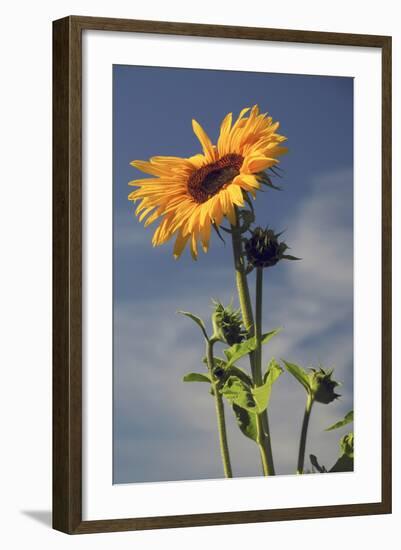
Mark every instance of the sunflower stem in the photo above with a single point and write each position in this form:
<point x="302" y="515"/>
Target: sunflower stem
<point x="221" y="422"/>
<point x="258" y="324"/>
<point x="258" y="366"/>
<point x="242" y="283"/>
<point x="304" y="432"/>
<point x="247" y="316"/>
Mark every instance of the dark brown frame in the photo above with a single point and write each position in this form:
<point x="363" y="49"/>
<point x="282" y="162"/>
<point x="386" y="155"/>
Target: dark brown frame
<point x="67" y="277"/>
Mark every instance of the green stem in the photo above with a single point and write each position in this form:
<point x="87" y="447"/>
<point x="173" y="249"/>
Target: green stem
<point x="242" y="283"/>
<point x="221" y="423"/>
<point x="304" y="432"/>
<point x="258" y="324"/>
<point x="247" y="316"/>
<point x="258" y="366"/>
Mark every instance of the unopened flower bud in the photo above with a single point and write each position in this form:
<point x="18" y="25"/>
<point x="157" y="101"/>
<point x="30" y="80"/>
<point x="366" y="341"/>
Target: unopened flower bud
<point x="264" y="250"/>
<point x="347" y="445"/>
<point x="227" y="325"/>
<point x="322" y="386"/>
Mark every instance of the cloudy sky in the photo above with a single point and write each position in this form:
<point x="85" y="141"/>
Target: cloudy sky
<point x="164" y="429"/>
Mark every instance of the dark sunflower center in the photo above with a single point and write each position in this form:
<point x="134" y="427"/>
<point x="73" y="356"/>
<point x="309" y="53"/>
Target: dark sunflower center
<point x="208" y="180"/>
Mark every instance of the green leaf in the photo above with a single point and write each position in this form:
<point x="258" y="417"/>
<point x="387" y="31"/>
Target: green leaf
<point x="196" y="377"/>
<point x="237" y="351"/>
<point x="289" y="257"/>
<point x="197" y="320"/>
<point x="246" y="421"/>
<point x="262" y="393"/>
<point x="299" y="373"/>
<point x="349" y="417"/>
<point x="316" y="464"/>
<point x="239" y="393"/>
<point x="343" y="464"/>
<point x="269" y="335"/>
<point x="232" y="370"/>
<point x="273" y="371"/>
<point x="241" y="374"/>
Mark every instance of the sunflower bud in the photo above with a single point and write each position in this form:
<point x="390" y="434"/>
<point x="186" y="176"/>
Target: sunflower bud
<point x="264" y="250"/>
<point x="322" y="386"/>
<point x="347" y="445"/>
<point x="227" y="325"/>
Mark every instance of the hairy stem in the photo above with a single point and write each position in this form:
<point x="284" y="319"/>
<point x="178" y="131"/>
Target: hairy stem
<point x="258" y="365"/>
<point x="304" y="433"/>
<point x="221" y="422"/>
<point x="247" y="316"/>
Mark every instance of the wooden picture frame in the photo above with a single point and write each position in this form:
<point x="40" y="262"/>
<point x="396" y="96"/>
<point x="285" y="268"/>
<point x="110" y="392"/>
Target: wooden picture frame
<point x="67" y="274"/>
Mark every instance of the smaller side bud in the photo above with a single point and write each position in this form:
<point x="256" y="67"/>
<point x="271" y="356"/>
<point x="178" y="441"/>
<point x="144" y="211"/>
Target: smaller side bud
<point x="263" y="248"/>
<point x="227" y="325"/>
<point x="322" y="386"/>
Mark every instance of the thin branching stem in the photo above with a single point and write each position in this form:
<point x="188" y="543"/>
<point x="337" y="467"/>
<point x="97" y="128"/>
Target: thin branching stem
<point x="221" y="422"/>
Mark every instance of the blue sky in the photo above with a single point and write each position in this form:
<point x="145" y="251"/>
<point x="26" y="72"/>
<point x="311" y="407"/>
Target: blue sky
<point x="165" y="429"/>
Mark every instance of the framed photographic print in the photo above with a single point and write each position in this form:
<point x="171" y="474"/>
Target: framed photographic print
<point x="222" y="275"/>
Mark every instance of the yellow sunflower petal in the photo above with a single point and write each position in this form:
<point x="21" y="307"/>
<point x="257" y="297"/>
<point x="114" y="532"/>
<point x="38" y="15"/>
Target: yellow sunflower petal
<point x="194" y="246"/>
<point x="230" y="213"/>
<point x="148" y="168"/>
<point x="248" y="182"/>
<point x="204" y="140"/>
<point x="197" y="161"/>
<point x="223" y="142"/>
<point x="145" y="213"/>
<point x="205" y="235"/>
<point x="236" y="194"/>
<point x="179" y="245"/>
<point x="258" y="164"/>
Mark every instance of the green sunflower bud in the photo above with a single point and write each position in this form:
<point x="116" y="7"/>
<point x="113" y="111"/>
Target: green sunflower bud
<point x="227" y="325"/>
<point x="322" y="386"/>
<point x="347" y="445"/>
<point x="264" y="250"/>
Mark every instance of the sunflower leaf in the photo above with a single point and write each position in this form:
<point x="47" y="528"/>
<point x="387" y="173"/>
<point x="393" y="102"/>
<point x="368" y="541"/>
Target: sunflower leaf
<point x="273" y="371"/>
<point x="233" y="370"/>
<point x="235" y="352"/>
<point x="239" y="393"/>
<point x="349" y="417"/>
<point x="343" y="464"/>
<point x="197" y="320"/>
<point x="196" y="377"/>
<point x="246" y="421"/>
<point x="299" y="374"/>
<point x="316" y="465"/>
<point x="262" y="393"/>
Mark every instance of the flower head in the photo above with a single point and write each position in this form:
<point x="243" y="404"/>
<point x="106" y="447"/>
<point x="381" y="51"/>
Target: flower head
<point x="264" y="250"/>
<point x="189" y="195"/>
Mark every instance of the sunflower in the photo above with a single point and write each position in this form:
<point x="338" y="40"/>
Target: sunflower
<point x="189" y="195"/>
